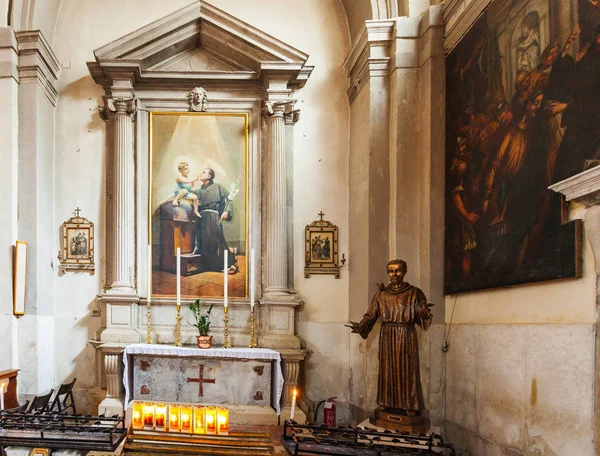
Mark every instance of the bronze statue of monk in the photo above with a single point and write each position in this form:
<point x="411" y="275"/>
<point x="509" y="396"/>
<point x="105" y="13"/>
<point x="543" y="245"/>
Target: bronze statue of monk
<point x="400" y="306"/>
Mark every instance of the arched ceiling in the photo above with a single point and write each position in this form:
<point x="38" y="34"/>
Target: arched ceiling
<point x="43" y="14"/>
<point x="359" y="11"/>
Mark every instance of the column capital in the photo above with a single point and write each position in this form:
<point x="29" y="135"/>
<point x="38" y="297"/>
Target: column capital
<point x="292" y="116"/>
<point x="118" y="107"/>
<point x="278" y="108"/>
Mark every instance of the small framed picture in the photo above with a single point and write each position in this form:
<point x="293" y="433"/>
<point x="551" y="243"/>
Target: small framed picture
<point x="77" y="253"/>
<point x="321" y="248"/>
<point x="19" y="277"/>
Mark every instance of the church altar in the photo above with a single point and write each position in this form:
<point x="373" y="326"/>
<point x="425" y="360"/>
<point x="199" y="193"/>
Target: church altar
<point x="234" y="376"/>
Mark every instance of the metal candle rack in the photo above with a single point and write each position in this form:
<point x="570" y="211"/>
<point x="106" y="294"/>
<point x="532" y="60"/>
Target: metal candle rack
<point x="312" y="439"/>
<point x="59" y="431"/>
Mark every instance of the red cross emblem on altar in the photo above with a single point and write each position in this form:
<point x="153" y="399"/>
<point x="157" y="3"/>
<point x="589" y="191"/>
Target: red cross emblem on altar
<point x="201" y="380"/>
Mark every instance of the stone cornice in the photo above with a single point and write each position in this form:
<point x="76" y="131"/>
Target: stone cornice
<point x="251" y="53"/>
<point x="369" y="55"/>
<point x="9" y="54"/>
<point x="582" y="188"/>
<point x="38" y="63"/>
<point x="385" y="45"/>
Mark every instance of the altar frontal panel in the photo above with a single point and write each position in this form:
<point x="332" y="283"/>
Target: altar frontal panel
<point x="210" y="381"/>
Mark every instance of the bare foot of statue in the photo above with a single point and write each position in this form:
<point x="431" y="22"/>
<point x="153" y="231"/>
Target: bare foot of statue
<point x="175" y="203"/>
<point x="197" y="214"/>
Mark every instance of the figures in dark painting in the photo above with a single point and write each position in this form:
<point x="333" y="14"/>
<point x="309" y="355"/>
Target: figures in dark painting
<point x="507" y="143"/>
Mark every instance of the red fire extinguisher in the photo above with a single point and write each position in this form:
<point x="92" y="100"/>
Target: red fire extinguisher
<point x="329" y="412"/>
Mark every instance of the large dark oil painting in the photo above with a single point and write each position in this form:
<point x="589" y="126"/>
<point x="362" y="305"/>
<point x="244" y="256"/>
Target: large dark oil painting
<point x="523" y="112"/>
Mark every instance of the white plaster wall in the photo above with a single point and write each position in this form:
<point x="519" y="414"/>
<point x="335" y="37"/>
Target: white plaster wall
<point x="321" y="141"/>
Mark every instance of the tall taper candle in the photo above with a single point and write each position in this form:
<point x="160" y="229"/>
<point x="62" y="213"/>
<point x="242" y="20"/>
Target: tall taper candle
<point x="149" y="272"/>
<point x="252" y="273"/>
<point x="178" y="276"/>
<point x="225" y="277"/>
<point x="293" y="410"/>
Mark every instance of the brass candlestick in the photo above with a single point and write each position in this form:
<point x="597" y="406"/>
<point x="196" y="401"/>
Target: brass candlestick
<point x="252" y="320"/>
<point x="178" y="327"/>
<point x="226" y="328"/>
<point x="149" y="317"/>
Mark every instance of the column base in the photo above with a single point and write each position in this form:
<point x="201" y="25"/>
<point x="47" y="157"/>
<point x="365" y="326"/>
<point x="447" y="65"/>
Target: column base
<point x="120" y="336"/>
<point x="111" y="406"/>
<point x="279" y="341"/>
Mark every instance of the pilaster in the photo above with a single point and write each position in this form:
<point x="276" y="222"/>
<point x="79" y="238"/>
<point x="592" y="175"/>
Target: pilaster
<point x="9" y="145"/>
<point x="38" y="70"/>
<point x="396" y="71"/>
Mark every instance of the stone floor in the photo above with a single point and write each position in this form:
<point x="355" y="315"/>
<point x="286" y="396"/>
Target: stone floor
<point x="203" y="284"/>
<point x="274" y="431"/>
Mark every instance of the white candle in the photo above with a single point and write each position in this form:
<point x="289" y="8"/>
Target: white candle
<point x="1" y="397"/>
<point x="252" y="280"/>
<point x="225" y="277"/>
<point x="149" y="272"/>
<point x="178" y="276"/>
<point x="293" y="405"/>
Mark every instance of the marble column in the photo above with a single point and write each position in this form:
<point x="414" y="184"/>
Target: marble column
<point x="276" y="268"/>
<point x="121" y="298"/>
<point x="279" y="302"/>
<point x="122" y="112"/>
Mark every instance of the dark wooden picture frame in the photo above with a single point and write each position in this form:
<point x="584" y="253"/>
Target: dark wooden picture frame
<point x="321" y="248"/>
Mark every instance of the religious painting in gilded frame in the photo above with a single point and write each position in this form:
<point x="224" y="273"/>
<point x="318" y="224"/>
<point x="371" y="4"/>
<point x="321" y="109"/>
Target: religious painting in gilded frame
<point x="321" y="248"/>
<point x="516" y="104"/>
<point x="77" y="252"/>
<point x="198" y="202"/>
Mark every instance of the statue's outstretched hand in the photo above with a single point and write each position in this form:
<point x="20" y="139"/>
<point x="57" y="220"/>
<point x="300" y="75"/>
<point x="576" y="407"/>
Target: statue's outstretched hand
<point x="425" y="310"/>
<point x="354" y="326"/>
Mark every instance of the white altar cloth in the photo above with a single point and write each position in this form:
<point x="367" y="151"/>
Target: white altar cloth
<point x="239" y="353"/>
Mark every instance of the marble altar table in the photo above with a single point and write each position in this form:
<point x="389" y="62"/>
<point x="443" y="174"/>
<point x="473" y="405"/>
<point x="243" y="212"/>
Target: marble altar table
<point x="233" y="376"/>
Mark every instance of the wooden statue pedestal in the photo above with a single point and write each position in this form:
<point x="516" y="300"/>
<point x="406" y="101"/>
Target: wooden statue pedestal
<point x="399" y="422"/>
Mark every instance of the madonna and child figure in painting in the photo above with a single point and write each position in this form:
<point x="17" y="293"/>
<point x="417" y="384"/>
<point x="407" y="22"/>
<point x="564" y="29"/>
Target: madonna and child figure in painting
<point x="400" y="306"/>
<point x="523" y="105"/>
<point x="215" y="206"/>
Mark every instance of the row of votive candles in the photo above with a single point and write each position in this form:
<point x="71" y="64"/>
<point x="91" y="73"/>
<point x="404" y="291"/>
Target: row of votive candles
<point x="196" y="419"/>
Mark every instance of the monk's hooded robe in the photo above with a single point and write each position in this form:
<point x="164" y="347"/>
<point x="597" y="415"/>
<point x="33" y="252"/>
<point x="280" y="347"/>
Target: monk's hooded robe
<point x="399" y="374"/>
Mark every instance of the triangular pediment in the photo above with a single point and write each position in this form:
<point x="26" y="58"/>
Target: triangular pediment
<point x="202" y="43"/>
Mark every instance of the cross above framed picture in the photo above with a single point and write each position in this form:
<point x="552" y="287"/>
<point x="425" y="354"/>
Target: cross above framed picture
<point x="321" y="248"/>
<point x="77" y="252"/>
